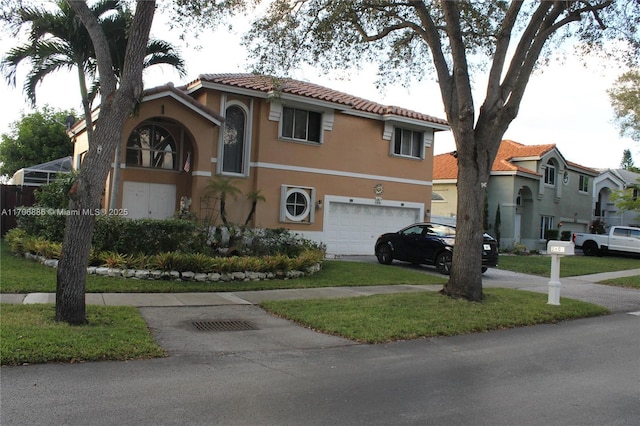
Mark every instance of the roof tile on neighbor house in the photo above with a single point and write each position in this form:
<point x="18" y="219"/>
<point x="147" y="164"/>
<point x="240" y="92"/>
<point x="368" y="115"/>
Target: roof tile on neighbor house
<point x="445" y="166"/>
<point x="268" y="84"/>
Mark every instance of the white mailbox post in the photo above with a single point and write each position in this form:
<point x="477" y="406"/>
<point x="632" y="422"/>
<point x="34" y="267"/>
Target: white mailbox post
<point x="557" y="249"/>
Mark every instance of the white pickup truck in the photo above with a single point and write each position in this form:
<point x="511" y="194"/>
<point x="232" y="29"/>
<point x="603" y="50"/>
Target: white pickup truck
<point x="620" y="239"/>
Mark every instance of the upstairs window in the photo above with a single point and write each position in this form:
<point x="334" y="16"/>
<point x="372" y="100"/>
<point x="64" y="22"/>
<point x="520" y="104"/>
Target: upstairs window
<point x="583" y="184"/>
<point x="301" y="125"/>
<point x="233" y="140"/>
<point x="152" y="146"/>
<point x="550" y="174"/>
<point x="408" y="143"/>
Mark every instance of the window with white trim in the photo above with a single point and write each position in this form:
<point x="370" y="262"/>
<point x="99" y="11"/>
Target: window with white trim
<point x="233" y="140"/>
<point x="583" y="184"/>
<point x="297" y="204"/>
<point x="546" y="222"/>
<point x="301" y="125"/>
<point x="550" y="173"/>
<point x="408" y="143"/>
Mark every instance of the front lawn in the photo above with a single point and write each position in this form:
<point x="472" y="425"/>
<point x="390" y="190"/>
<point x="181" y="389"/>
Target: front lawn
<point x="384" y="318"/>
<point x="570" y="266"/>
<point x="31" y="335"/>
<point x="628" y="282"/>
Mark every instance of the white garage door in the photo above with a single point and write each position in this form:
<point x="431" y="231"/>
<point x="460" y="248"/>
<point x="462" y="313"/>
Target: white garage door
<point x="352" y="228"/>
<point x="149" y="200"/>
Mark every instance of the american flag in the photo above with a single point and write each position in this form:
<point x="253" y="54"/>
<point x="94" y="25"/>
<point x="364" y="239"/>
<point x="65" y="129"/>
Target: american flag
<point x="187" y="164"/>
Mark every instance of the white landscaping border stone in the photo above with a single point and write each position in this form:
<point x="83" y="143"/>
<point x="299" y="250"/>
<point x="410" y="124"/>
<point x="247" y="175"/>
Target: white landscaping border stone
<point x="145" y="274"/>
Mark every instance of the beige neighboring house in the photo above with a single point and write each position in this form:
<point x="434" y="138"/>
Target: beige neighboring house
<point x="333" y="167"/>
<point x="534" y="187"/>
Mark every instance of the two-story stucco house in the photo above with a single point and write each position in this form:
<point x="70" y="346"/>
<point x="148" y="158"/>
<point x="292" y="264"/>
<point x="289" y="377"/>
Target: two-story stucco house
<point x="535" y="188"/>
<point x="604" y="208"/>
<point x="333" y="167"/>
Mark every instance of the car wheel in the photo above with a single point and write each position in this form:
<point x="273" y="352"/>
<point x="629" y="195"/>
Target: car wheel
<point x="443" y="263"/>
<point x="484" y="269"/>
<point x="384" y="254"/>
<point x="590" y="248"/>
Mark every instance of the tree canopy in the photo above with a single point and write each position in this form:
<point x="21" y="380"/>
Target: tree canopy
<point x="448" y="41"/>
<point x="34" y="139"/>
<point x="627" y="162"/>
<point x="58" y="41"/>
<point x="625" y="100"/>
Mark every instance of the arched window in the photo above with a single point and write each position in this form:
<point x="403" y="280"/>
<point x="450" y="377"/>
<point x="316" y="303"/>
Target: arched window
<point x="233" y="140"/>
<point x="550" y="173"/>
<point x="152" y="146"/>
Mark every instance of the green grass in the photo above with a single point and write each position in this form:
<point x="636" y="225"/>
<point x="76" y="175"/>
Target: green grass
<point x="570" y="266"/>
<point x="628" y="282"/>
<point x="30" y="334"/>
<point x="384" y="318"/>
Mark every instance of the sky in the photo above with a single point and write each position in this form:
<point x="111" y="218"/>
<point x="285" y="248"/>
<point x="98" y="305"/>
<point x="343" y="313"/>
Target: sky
<point x="566" y="104"/>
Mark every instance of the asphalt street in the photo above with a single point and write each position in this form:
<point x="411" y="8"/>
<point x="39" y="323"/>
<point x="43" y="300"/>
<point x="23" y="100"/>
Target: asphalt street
<point x="583" y="372"/>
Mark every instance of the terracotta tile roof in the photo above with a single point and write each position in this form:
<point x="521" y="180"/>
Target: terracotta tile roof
<point x="445" y="166"/>
<point x="509" y="150"/>
<point x="267" y="84"/>
<point x="169" y="87"/>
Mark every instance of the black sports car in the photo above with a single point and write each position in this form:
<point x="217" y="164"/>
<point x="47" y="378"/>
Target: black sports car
<point x="431" y="244"/>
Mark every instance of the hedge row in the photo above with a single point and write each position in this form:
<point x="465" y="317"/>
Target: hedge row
<point x="21" y="244"/>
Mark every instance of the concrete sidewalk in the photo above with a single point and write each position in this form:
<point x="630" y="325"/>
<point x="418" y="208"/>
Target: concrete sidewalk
<point x="583" y="288"/>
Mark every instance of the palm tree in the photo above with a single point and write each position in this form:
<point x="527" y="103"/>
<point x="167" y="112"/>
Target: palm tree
<point x="58" y="40"/>
<point x="222" y="188"/>
<point x="254" y="197"/>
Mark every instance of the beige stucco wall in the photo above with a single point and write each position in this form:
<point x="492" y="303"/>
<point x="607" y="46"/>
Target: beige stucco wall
<point x="352" y="159"/>
<point x="448" y="207"/>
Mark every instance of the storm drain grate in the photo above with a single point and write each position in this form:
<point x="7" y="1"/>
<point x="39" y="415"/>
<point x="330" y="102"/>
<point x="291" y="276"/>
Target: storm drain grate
<point x="223" y="325"/>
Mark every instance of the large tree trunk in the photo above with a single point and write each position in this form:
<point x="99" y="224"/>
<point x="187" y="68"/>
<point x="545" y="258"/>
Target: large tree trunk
<point x="465" y="280"/>
<point x="86" y="193"/>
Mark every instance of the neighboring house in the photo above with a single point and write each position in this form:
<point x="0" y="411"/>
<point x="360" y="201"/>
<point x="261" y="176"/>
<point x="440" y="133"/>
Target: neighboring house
<point x="604" y="209"/>
<point x="535" y="188"/>
<point x="333" y="167"/>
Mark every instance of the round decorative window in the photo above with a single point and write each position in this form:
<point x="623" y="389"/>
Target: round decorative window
<point x="298" y="204"/>
<point x="565" y="178"/>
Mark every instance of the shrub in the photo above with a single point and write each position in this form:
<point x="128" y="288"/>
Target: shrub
<point x="164" y="261"/>
<point x="194" y="262"/>
<point x="565" y="236"/>
<point x="15" y="238"/>
<point x="137" y="261"/>
<point x="36" y="220"/>
<point x="113" y="259"/>
<point x="148" y="236"/>
<point x="551" y="234"/>
<point x="271" y="242"/>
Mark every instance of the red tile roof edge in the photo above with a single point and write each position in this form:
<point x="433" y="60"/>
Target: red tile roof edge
<point x="268" y="84"/>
